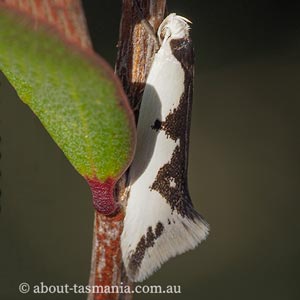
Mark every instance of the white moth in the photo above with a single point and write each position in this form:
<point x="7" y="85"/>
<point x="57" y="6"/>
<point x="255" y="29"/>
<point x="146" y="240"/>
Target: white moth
<point x="160" y="220"/>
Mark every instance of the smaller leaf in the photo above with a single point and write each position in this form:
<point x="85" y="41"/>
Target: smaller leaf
<point x="77" y="98"/>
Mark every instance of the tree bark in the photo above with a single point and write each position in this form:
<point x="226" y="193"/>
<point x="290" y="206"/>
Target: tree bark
<point x="136" y="47"/>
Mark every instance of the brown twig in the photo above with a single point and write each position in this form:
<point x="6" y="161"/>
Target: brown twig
<point x="136" y="48"/>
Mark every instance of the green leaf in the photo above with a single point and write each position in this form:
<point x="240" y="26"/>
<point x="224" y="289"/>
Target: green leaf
<point x="75" y="95"/>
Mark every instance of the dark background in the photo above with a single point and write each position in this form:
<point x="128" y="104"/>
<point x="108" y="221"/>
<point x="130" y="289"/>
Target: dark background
<point x="244" y="164"/>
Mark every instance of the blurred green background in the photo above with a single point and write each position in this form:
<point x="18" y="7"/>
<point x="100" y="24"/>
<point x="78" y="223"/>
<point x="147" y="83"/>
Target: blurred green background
<point x="244" y="164"/>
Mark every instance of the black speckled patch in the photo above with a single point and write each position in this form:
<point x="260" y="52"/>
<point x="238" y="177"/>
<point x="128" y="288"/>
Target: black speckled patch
<point x="157" y="125"/>
<point x="158" y="229"/>
<point x="145" y="242"/>
<point x="171" y="179"/>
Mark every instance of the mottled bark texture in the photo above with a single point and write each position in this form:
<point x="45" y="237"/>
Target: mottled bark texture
<point x="136" y="47"/>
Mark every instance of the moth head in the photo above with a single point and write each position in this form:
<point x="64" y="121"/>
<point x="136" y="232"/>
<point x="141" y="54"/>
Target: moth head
<point x="173" y="27"/>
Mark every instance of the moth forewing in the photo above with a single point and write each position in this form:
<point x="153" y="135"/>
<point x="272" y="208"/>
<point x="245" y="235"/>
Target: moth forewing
<point x="160" y="220"/>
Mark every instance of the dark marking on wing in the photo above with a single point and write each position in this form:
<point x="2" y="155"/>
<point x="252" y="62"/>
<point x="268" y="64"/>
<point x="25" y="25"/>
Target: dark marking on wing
<point x="145" y="242"/>
<point x="157" y="125"/>
<point x="159" y="229"/>
<point x="177" y="127"/>
<point x="177" y="196"/>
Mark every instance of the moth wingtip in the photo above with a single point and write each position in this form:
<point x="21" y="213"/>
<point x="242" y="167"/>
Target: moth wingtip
<point x="177" y="238"/>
